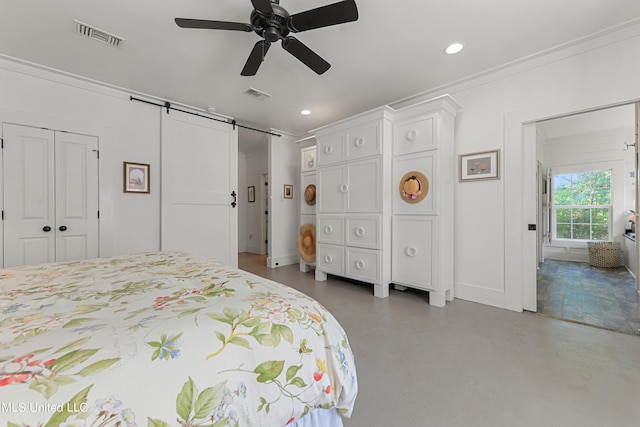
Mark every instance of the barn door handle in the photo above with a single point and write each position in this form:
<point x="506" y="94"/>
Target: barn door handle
<point x="46" y="229"/>
<point x="235" y="199"/>
<point x="63" y="228"/>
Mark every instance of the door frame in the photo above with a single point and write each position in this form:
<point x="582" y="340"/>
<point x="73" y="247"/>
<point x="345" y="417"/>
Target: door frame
<point x="521" y="199"/>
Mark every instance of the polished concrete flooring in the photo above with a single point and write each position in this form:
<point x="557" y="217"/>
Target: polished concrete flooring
<point x="601" y="297"/>
<point x="472" y="365"/>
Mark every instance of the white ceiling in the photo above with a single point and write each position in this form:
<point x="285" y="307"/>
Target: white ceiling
<point x="393" y="51"/>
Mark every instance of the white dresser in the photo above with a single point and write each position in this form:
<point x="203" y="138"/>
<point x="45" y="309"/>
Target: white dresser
<point x="307" y="178"/>
<point x="422" y="243"/>
<point x="353" y="231"/>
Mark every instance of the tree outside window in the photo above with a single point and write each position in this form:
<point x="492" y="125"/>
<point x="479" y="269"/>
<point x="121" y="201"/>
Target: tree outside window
<point x="582" y="205"/>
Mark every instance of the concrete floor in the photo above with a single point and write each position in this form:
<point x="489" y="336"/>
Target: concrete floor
<point x="472" y="365"/>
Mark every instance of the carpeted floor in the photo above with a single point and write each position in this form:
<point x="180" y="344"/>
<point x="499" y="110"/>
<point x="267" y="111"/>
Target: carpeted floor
<point x="601" y="297"/>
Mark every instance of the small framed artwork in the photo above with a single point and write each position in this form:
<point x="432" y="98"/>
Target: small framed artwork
<point x="477" y="166"/>
<point x="252" y="194"/>
<point x="288" y="191"/>
<point x="136" y="177"/>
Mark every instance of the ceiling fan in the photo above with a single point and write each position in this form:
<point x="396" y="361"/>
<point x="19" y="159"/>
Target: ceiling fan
<point x="272" y="22"/>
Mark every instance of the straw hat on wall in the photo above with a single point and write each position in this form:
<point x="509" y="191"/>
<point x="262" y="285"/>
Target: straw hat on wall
<point x="307" y="243"/>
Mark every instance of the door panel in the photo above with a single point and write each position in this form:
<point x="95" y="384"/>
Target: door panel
<point x="199" y="172"/>
<point x="76" y="197"/>
<point x="29" y="204"/>
<point x="50" y="181"/>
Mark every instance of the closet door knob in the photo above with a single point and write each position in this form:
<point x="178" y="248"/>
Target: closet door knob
<point x="412" y="135"/>
<point x="328" y="229"/>
<point x="361" y="231"/>
<point x="359" y="141"/>
<point x="63" y="228"/>
<point x="411" y="251"/>
<point x="328" y="149"/>
<point x="46" y="229"/>
<point x="360" y="264"/>
<point x="344" y="188"/>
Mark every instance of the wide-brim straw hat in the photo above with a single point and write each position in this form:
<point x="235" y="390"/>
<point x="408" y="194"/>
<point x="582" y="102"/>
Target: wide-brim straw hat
<point x="310" y="194"/>
<point x="307" y="242"/>
<point x="423" y="185"/>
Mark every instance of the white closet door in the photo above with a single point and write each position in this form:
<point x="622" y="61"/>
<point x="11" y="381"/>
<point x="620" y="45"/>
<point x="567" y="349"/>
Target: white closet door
<point x="29" y="204"/>
<point x="51" y="196"/>
<point x="199" y="173"/>
<point x="76" y="164"/>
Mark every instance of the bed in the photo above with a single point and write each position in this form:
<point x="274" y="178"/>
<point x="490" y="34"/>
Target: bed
<point x="167" y="339"/>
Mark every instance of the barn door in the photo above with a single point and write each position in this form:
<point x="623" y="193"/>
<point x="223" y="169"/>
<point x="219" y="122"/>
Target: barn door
<point x="199" y="182"/>
<point x="50" y="196"/>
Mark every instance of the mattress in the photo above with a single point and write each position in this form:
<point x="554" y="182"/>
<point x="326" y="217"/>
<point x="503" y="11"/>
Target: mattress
<point x="166" y="339"/>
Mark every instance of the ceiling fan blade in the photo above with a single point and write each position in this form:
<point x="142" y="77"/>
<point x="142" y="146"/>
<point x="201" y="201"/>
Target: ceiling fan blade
<point x="212" y="25"/>
<point x="263" y="6"/>
<point x="308" y="57"/>
<point x="256" y="57"/>
<point x="332" y="14"/>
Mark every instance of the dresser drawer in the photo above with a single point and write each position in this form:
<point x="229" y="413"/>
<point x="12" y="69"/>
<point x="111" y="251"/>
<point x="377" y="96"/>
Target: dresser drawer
<point x="308" y="159"/>
<point x="414" y="134"/>
<point x="330" y="229"/>
<point x="330" y="149"/>
<point x="363" y="231"/>
<point x="413" y="255"/>
<point x="330" y="259"/>
<point x="363" y="264"/>
<point x="364" y="141"/>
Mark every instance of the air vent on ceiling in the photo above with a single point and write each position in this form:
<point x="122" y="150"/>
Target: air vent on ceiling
<point x="98" y="34"/>
<point x="257" y="94"/>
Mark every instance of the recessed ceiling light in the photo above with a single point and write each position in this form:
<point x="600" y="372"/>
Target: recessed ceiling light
<point x="454" y="48"/>
<point x="305" y="112"/>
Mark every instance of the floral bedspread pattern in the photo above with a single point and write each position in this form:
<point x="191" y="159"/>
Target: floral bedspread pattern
<point x="164" y="339"/>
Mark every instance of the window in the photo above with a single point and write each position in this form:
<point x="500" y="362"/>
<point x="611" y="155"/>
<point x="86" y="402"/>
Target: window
<point x="581" y="207"/>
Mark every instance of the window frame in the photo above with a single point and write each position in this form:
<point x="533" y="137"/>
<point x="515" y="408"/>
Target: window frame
<point x="555" y="240"/>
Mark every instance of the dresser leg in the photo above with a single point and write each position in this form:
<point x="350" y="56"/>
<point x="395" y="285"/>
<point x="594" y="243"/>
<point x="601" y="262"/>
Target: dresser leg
<point x="321" y="276"/>
<point x="437" y="299"/>
<point x="381" y="291"/>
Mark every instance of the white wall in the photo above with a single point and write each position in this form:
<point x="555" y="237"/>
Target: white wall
<point x="256" y="164"/>
<point x="494" y="251"/>
<point x="284" y="168"/>
<point x="126" y="131"/>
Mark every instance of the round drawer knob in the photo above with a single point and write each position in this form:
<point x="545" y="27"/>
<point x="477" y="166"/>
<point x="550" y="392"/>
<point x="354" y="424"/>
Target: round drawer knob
<point x="359" y="141"/>
<point x="328" y="229"/>
<point x="328" y="259"/>
<point x="412" y="135"/>
<point x="310" y="161"/>
<point x="344" y="188"/>
<point x="328" y="149"/>
<point x="361" y="265"/>
<point x="361" y="231"/>
<point x="411" y="251"/>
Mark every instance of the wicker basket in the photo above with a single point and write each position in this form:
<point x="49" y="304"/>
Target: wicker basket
<point x="604" y="254"/>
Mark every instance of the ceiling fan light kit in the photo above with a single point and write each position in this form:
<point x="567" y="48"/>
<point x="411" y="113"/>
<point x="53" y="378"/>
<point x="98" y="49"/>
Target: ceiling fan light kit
<point x="272" y="22"/>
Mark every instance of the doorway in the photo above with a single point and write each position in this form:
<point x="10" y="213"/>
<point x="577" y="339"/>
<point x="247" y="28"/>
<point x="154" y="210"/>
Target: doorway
<point x="576" y="154"/>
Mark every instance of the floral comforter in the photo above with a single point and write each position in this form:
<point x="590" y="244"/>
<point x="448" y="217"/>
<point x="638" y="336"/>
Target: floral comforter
<point x="164" y="339"/>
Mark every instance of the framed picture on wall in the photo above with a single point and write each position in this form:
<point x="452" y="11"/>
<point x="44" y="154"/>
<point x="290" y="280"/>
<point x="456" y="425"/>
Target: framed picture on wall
<point x="136" y="177"/>
<point x="477" y="166"/>
<point x="288" y="191"/>
<point x="251" y="191"/>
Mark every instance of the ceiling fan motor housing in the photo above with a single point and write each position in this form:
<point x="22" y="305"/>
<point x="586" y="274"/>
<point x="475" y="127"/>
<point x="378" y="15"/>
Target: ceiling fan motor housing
<point x="271" y="27"/>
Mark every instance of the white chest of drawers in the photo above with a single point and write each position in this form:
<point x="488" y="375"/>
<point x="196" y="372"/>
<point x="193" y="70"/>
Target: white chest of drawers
<point x="354" y="224"/>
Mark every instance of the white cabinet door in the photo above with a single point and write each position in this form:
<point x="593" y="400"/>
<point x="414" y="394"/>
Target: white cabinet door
<point x="51" y="196"/>
<point x="413" y="251"/>
<point x="332" y="187"/>
<point x="199" y="173"/>
<point x="364" y="189"/>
